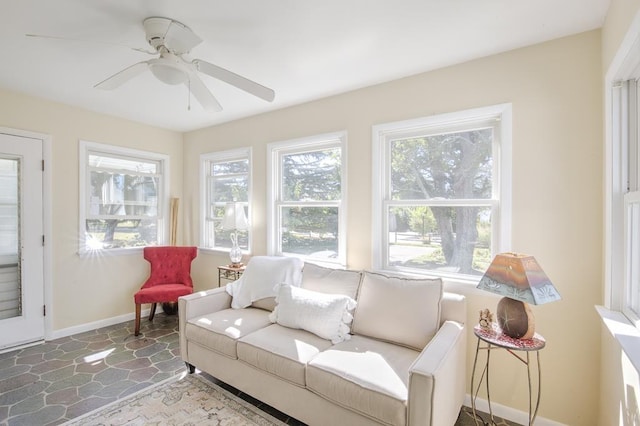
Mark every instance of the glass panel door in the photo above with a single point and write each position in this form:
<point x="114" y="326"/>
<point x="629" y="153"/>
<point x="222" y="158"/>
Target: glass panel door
<point x="10" y="279"/>
<point x="21" y="241"/>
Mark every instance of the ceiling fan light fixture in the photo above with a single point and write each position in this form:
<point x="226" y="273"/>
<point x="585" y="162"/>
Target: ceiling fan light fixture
<point x="172" y="40"/>
<point x="169" y="74"/>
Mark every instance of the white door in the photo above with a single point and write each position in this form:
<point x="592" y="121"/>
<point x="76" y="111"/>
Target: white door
<point x="21" y="241"/>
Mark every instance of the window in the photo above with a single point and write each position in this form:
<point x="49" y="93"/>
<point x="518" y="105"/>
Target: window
<point x="442" y="192"/>
<point x="307" y="189"/>
<point x="227" y="179"/>
<point x="626" y="96"/>
<point x="122" y="197"/>
<point x="621" y="200"/>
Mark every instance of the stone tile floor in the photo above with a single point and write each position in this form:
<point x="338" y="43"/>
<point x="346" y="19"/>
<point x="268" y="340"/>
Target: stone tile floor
<point x="51" y="383"/>
<point x="59" y="380"/>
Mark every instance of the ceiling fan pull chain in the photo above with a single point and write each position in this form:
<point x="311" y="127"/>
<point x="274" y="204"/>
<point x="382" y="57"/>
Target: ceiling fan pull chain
<point x="189" y="97"/>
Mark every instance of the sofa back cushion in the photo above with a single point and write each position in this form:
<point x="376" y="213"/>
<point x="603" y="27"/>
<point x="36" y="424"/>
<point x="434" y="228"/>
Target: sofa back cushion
<point x="332" y="281"/>
<point x="405" y="311"/>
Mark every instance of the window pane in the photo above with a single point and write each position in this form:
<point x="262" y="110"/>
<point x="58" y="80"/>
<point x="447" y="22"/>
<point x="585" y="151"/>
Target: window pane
<point x="223" y="238"/>
<point x="312" y="175"/>
<point x="633" y="256"/>
<point x="119" y="163"/>
<point x="121" y="194"/>
<point x="119" y="233"/>
<point x="231" y="167"/>
<point x="230" y="188"/>
<point x="447" y="166"/>
<point x="447" y="239"/>
<point x="310" y="231"/>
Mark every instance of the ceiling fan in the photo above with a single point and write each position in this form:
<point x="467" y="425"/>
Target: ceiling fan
<point x="172" y="41"/>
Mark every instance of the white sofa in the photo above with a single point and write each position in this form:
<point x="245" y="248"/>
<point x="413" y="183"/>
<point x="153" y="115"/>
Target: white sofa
<point x="402" y="363"/>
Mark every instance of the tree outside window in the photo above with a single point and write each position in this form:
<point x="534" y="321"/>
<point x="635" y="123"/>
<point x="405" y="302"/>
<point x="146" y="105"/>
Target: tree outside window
<point x="439" y="196"/>
<point x="121" y="197"/>
<point x="227" y="179"/>
<point x="307" y="200"/>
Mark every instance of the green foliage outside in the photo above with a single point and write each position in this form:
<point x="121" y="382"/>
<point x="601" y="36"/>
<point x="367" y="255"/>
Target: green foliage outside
<point x="125" y="233"/>
<point x="428" y="175"/>
<point x="435" y="260"/>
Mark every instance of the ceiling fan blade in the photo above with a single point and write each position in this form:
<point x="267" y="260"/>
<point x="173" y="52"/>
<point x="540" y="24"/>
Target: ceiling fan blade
<point x="235" y="80"/>
<point x="123" y="76"/>
<point x="180" y="39"/>
<point x="137" y="49"/>
<point x="202" y="93"/>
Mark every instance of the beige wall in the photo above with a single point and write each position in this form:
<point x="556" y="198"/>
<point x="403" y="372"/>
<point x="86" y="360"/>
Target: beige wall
<point x="620" y="385"/>
<point x="619" y="17"/>
<point x="90" y="288"/>
<point x="555" y="89"/>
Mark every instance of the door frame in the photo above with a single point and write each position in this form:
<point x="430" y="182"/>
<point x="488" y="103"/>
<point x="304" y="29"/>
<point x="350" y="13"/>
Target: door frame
<point x="47" y="186"/>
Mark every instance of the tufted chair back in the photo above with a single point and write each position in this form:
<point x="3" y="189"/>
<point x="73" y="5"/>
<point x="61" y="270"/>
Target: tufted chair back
<point x="170" y="265"/>
<point x="169" y="279"/>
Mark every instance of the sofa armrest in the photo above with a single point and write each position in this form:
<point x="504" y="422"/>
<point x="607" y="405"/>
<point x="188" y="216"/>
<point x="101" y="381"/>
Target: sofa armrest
<point x="198" y="304"/>
<point x="437" y="378"/>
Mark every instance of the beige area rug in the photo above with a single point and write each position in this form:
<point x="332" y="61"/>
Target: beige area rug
<point x="188" y="400"/>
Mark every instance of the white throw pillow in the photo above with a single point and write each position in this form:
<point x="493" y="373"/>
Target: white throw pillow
<point x="325" y="315"/>
<point x="261" y="275"/>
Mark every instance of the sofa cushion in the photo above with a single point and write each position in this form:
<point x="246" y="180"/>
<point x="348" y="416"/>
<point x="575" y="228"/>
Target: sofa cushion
<point x="401" y="310"/>
<point x="220" y="331"/>
<point x="366" y="375"/>
<point x="261" y="276"/>
<point x="283" y="352"/>
<point x="333" y="281"/>
<point x="325" y="315"/>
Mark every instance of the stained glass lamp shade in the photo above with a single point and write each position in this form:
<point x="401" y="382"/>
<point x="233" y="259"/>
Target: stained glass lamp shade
<point x="522" y="282"/>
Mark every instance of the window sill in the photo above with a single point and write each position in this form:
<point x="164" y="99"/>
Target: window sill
<point x="625" y="333"/>
<point x="109" y="252"/>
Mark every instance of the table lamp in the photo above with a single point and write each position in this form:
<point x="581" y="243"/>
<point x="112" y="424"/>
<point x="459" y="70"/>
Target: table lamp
<point x="521" y="280"/>
<point x="235" y="220"/>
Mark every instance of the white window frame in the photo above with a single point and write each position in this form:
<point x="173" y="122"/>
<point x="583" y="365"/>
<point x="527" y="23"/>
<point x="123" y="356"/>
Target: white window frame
<point x="625" y="198"/>
<point x="614" y="314"/>
<point x="500" y="201"/>
<point x="85" y="148"/>
<point x="275" y="151"/>
<point x="220" y="157"/>
<point x="631" y="304"/>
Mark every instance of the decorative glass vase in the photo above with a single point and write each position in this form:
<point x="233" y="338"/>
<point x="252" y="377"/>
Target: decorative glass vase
<point x="236" y="253"/>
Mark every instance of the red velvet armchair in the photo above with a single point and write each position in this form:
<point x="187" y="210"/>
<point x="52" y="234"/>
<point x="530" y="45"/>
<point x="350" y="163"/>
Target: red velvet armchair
<point x="169" y="279"/>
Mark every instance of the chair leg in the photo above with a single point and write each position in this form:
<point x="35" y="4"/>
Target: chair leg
<point x="137" y="327"/>
<point x="153" y="311"/>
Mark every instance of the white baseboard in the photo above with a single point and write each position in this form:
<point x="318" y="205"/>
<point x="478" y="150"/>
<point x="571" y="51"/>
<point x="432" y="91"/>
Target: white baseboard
<point x="509" y="413"/>
<point x="56" y="334"/>
<point x="20" y="346"/>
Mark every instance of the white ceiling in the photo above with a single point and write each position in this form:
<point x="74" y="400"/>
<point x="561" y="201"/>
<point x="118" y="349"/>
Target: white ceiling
<point x="303" y="49"/>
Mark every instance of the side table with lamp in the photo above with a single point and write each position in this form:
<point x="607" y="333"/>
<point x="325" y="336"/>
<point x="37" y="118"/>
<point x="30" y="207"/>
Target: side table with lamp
<point x="229" y="272"/>
<point x="521" y="281"/>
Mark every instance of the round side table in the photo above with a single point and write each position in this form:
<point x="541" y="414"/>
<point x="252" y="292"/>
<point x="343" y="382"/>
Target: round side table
<point x="495" y="339"/>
